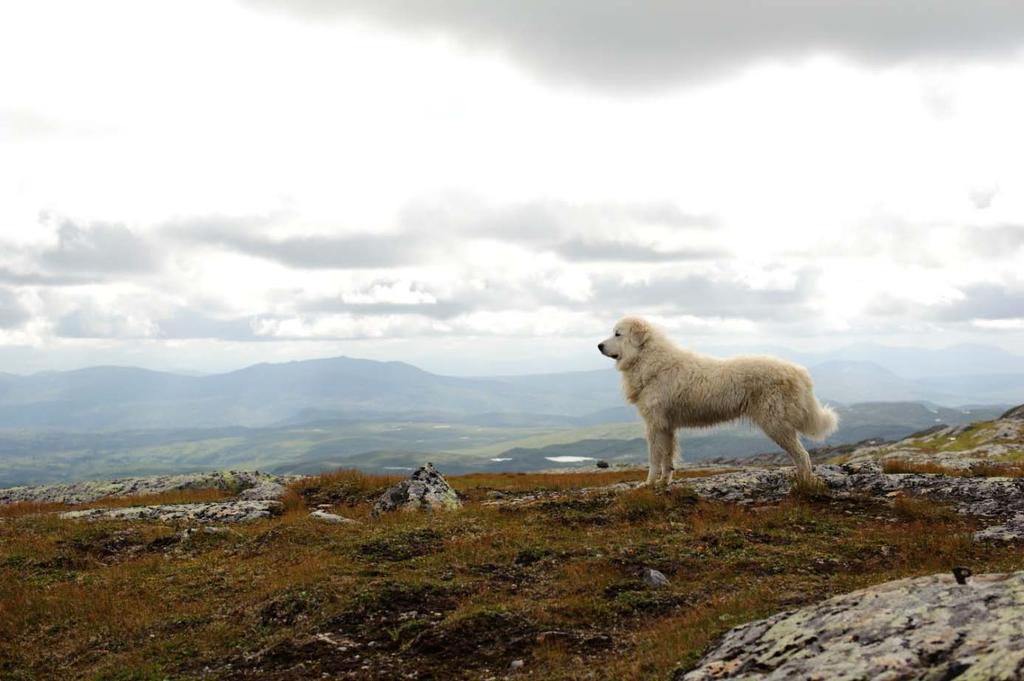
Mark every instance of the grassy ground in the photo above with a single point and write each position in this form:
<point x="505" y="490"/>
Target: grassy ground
<point x="555" y="584"/>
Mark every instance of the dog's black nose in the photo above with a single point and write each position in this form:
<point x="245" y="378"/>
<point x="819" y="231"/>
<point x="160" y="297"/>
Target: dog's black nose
<point x="600" y="346"/>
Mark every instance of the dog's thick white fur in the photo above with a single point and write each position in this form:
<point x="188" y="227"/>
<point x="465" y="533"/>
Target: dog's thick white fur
<point x="675" y="388"/>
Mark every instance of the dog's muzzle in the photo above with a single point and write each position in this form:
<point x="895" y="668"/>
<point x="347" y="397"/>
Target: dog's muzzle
<point x="600" y="346"/>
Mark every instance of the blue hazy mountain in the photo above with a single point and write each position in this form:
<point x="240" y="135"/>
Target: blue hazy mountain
<point x="110" y="398"/>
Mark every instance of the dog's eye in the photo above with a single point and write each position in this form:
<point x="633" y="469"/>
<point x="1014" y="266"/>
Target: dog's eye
<point x="618" y="333"/>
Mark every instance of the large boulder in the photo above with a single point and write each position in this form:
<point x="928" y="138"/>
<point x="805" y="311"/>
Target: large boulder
<point x="921" y="628"/>
<point x="425" y="490"/>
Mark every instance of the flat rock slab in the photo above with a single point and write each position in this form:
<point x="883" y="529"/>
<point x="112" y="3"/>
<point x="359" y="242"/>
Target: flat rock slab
<point x="238" y="511"/>
<point x="332" y="518"/>
<point x="93" y="490"/>
<point x="920" y="628"/>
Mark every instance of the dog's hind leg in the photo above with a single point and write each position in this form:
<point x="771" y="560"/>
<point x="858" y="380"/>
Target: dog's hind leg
<point x="788" y="439"/>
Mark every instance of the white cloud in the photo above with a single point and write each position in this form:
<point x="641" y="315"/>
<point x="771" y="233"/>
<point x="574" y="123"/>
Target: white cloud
<point x="357" y="182"/>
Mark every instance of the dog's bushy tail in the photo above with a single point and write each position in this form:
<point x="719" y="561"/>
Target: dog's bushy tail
<point x="821" y="420"/>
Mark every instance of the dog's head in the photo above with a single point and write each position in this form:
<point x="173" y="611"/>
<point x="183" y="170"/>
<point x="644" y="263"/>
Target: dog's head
<point x="627" y="341"/>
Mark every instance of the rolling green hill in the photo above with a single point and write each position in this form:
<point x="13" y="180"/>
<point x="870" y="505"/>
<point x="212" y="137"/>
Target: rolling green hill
<point x="458" y="445"/>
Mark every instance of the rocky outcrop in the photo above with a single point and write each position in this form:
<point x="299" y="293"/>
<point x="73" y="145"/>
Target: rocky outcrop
<point x="985" y="497"/>
<point x="234" y="511"/>
<point x="1017" y="413"/>
<point x="921" y="628"/>
<point x="93" y="490"/>
<point x="995" y="498"/>
<point x="425" y="490"/>
<point x="965" y="447"/>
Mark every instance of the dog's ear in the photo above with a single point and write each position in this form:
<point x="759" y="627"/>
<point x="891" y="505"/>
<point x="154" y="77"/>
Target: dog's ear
<point x="639" y="332"/>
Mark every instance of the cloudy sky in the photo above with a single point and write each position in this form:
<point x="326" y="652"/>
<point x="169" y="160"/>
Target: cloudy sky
<point x="484" y="187"/>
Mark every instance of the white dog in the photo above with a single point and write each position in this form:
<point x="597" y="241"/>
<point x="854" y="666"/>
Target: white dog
<point x="676" y="388"/>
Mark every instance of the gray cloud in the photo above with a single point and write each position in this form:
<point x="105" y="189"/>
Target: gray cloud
<point x="493" y="295"/>
<point x="314" y="252"/>
<point x="704" y="297"/>
<point x="651" y="43"/>
<point x="100" y="249"/>
<point x="984" y="301"/>
<point x="980" y="301"/>
<point x="578" y="233"/>
<point x="95" y="323"/>
<point x="9" y="276"/>
<point x="589" y="250"/>
<point x="12" y="313"/>
<point x="544" y="221"/>
<point x="432" y="228"/>
<point x="994" y="242"/>
<point x="191" y="323"/>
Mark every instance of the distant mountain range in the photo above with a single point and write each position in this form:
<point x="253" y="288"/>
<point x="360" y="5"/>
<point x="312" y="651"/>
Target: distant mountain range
<point x="118" y="398"/>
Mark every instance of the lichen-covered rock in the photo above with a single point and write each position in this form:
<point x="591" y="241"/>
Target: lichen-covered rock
<point x="234" y="511"/>
<point x="425" y="490"/>
<point x="92" y="490"/>
<point x="263" y="491"/>
<point x="921" y="628"/>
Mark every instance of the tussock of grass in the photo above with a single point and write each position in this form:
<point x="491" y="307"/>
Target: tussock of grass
<point x="809" y="490"/>
<point x="646" y="502"/>
<point x="918" y="508"/>
<point x="346" y="486"/>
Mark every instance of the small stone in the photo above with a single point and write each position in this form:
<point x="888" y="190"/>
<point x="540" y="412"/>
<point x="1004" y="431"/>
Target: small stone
<point x="602" y="464"/>
<point x="960" y="574"/>
<point x="333" y="518"/>
<point x="517" y="664"/>
<point x="654" y="578"/>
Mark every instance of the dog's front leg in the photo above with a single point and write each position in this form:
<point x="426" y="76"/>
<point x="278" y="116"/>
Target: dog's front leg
<point x="653" y="465"/>
<point x="668" y="458"/>
<point x="660" y="443"/>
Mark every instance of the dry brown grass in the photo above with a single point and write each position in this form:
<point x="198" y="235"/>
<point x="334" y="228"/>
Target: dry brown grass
<point x="905" y="466"/>
<point x="1009" y="470"/>
<point x="556" y="482"/>
<point x="993" y="470"/>
<point x="126" y="601"/>
<point x="345" y="486"/>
